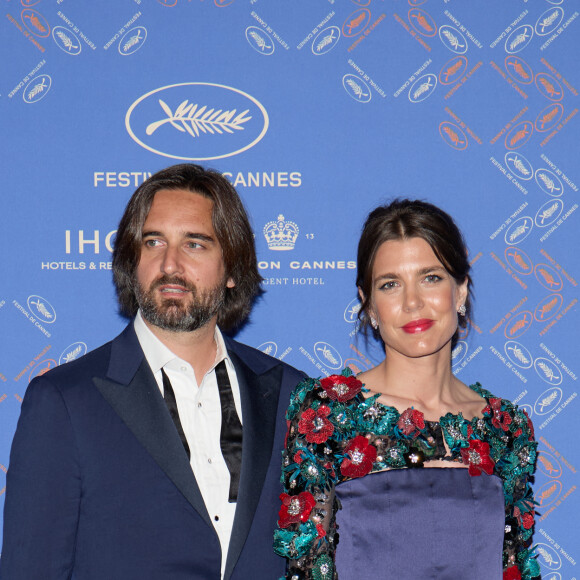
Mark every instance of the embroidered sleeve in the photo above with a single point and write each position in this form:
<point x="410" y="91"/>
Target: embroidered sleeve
<point x="317" y="449"/>
<point x="514" y="448"/>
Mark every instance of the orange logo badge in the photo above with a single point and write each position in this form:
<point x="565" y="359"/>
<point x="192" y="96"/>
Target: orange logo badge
<point x="519" y="135"/>
<point x="41" y="368"/>
<point x="35" y="22"/>
<point x="549" y="87"/>
<point x="453" y="70"/>
<point x="519" y="260"/>
<point x="453" y="135"/>
<point x="519" y="324"/>
<point x="548" y="493"/>
<point x="549" y="465"/>
<point x="422" y="22"/>
<point x="549" y="116"/>
<point x="356" y="22"/>
<point x="548" y="307"/>
<point x="519" y="70"/>
<point x="549" y="278"/>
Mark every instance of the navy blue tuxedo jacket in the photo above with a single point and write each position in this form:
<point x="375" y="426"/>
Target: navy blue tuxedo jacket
<point x="99" y="486"/>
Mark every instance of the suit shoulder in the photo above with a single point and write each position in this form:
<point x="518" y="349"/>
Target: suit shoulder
<point x="86" y="365"/>
<point x="261" y="360"/>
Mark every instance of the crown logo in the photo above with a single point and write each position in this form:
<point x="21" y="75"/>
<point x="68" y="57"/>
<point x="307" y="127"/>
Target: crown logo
<point x="281" y="234"/>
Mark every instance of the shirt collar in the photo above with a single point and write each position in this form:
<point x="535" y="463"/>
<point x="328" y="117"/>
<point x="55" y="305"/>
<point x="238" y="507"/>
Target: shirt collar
<point x="158" y="355"/>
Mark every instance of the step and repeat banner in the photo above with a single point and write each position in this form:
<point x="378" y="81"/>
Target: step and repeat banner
<point x="317" y="111"/>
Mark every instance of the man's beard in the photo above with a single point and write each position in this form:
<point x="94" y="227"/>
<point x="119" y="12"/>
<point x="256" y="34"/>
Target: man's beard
<point x="176" y="315"/>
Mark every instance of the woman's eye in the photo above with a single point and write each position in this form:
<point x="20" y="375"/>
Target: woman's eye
<point x="433" y="278"/>
<point x="388" y="285"/>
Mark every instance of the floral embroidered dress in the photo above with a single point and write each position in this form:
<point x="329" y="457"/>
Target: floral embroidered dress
<point x="352" y="463"/>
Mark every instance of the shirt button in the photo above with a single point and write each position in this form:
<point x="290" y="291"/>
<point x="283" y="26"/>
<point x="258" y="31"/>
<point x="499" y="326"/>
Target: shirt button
<point x="184" y="369"/>
<point x="199" y="404"/>
<point x="216" y="518"/>
<point x="209" y="459"/>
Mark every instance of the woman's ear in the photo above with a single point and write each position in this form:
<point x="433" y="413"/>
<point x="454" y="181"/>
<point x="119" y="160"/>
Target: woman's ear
<point x="461" y="294"/>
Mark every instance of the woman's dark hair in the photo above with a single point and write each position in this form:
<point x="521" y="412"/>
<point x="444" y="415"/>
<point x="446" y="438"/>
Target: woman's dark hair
<point x="231" y="226"/>
<point x="403" y="219"/>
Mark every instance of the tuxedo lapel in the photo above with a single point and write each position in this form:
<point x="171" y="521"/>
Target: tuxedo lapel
<point x="132" y="392"/>
<point x="259" y="393"/>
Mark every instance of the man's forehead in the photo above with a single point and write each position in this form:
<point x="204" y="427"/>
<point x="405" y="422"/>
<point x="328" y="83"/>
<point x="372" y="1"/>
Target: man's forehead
<point x="180" y="212"/>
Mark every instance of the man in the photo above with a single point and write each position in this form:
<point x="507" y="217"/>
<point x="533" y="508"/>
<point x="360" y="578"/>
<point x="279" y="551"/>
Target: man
<point x="122" y="466"/>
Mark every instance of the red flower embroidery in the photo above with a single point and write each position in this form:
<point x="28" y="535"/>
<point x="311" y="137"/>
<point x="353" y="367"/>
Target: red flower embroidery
<point x="340" y="388"/>
<point x="315" y="425"/>
<point x="411" y="422"/>
<point x="360" y="456"/>
<point x="504" y="421"/>
<point x="321" y="531"/>
<point x="512" y="574"/>
<point x="499" y="419"/>
<point x="477" y="457"/>
<point x="295" y="508"/>
<point x="528" y="520"/>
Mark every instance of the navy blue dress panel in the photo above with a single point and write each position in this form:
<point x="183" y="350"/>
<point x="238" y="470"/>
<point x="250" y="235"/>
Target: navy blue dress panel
<point x="411" y="524"/>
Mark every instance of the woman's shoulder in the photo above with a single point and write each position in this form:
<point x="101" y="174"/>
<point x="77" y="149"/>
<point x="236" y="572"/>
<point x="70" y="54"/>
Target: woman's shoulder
<point x="504" y="415"/>
<point x="331" y="390"/>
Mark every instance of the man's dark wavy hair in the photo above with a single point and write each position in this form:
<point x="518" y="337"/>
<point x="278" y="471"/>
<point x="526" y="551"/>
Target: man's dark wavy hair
<point x="231" y="225"/>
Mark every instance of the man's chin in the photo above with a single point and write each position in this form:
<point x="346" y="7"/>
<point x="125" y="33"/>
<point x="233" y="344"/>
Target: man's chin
<point x="176" y="318"/>
<point x="167" y="316"/>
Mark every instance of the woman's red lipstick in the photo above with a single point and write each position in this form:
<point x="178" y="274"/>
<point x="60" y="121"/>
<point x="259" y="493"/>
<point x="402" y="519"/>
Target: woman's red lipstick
<point x="416" y="326"/>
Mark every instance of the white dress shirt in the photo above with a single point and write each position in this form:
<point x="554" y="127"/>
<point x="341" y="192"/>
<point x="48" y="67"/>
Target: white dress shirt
<point x="201" y="416"/>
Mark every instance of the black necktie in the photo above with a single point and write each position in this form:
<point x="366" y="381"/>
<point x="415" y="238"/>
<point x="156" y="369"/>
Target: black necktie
<point x="231" y="431"/>
<point x="169" y="397"/>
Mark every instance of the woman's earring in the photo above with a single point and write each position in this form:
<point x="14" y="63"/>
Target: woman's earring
<point x="374" y="323"/>
<point x="462" y="310"/>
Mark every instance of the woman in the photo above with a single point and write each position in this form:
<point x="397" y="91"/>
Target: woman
<point x="353" y="455"/>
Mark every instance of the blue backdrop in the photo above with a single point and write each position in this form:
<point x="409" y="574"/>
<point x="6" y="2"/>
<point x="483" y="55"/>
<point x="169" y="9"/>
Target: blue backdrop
<point x="316" y="110"/>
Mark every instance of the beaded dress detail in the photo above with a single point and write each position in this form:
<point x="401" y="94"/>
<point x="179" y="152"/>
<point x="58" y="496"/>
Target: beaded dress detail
<point x="352" y="473"/>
